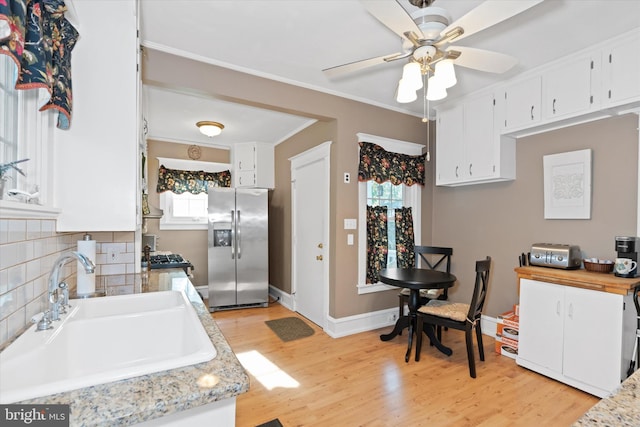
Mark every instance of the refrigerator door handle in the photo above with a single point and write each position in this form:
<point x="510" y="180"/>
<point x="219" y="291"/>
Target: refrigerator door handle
<point x="238" y="235"/>
<point x="233" y="235"/>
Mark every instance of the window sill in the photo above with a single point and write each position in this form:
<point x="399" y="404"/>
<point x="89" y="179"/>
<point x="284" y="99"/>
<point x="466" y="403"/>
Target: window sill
<point x="11" y="209"/>
<point x="378" y="287"/>
<point x="191" y="226"/>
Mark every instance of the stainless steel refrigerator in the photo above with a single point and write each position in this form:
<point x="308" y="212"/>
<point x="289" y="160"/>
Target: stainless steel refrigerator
<point x="238" y="248"/>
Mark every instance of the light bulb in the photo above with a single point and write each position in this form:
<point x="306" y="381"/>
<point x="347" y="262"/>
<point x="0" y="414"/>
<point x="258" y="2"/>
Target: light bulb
<point x="446" y="73"/>
<point x="435" y="89"/>
<point x="406" y="93"/>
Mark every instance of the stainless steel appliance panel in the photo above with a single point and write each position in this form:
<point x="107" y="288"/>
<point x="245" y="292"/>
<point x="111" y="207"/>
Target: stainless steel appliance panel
<point x="221" y="252"/>
<point x="252" y="261"/>
<point x="238" y="248"/>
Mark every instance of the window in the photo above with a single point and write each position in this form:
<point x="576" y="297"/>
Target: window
<point x="186" y="211"/>
<point x="25" y="133"/>
<point x="392" y="196"/>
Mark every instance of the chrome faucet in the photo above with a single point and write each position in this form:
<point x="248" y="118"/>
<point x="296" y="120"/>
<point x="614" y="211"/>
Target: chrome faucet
<point x="56" y="303"/>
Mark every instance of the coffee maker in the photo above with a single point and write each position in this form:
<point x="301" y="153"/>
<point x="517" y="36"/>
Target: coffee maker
<point x="627" y="247"/>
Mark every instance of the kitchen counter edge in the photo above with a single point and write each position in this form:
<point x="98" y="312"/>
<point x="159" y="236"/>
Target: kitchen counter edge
<point x="147" y="397"/>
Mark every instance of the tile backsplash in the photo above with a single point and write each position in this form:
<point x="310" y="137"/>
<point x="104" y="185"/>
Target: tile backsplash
<point x="28" y="250"/>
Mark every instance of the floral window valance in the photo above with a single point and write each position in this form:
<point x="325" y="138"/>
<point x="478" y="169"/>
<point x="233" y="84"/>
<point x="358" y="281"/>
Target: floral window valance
<point x="39" y="39"/>
<point x="196" y="182"/>
<point x="380" y="165"/>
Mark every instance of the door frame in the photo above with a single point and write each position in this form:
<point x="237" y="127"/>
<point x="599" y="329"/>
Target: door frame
<point x="321" y="152"/>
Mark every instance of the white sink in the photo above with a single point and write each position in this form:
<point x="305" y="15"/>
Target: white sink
<point x="103" y="340"/>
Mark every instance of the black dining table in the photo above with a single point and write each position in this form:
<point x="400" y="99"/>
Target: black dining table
<point x="415" y="279"/>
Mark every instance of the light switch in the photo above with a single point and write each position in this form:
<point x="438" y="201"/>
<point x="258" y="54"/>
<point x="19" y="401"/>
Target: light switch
<point x="350" y="224"/>
<point x="350" y="239"/>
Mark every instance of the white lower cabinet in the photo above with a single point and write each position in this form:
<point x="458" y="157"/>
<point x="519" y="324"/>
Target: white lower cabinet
<point x="580" y="337"/>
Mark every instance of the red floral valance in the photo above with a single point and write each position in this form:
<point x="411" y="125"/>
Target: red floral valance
<point x="380" y="165"/>
<point x="194" y="182"/>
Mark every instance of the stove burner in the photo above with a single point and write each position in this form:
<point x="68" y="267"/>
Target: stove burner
<point x="169" y="261"/>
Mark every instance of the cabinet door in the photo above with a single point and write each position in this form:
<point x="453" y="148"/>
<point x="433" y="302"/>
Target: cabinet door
<point x="592" y="337"/>
<point x="479" y="138"/>
<point x="541" y="323"/>
<point x="246" y="179"/>
<point x="621" y="72"/>
<point x="567" y="88"/>
<point x="245" y="157"/>
<point x="449" y="145"/>
<point x="97" y="162"/>
<point x="522" y="103"/>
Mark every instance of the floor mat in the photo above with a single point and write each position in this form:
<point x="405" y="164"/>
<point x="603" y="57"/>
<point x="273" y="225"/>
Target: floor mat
<point x="290" y="328"/>
<point x="272" y="423"/>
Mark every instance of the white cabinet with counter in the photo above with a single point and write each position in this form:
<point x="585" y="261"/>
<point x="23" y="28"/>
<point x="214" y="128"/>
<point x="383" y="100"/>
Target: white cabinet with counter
<point x="575" y="331"/>
<point x="254" y="165"/>
<point x="96" y="159"/>
<point x="470" y="149"/>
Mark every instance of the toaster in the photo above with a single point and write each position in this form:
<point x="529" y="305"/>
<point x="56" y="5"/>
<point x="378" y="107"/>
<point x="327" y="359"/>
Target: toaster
<point x="555" y="255"/>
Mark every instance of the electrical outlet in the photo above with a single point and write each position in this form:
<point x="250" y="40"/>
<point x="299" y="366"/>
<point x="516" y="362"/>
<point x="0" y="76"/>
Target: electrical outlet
<point x="112" y="256"/>
<point x="392" y="317"/>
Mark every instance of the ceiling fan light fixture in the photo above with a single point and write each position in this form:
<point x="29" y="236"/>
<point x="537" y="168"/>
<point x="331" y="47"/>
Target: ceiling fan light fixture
<point x="406" y="93"/>
<point x="210" y="129"/>
<point x="435" y="89"/>
<point x="412" y="75"/>
<point x="446" y="73"/>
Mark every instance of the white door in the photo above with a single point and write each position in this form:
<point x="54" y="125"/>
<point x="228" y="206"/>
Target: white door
<point x="310" y="233"/>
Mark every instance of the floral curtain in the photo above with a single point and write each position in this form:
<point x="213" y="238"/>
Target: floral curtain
<point x="195" y="182"/>
<point x="377" y="241"/>
<point x="380" y="165"/>
<point x="39" y="39"/>
<point x="405" y="256"/>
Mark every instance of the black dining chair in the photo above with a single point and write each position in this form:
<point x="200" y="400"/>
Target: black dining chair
<point x="434" y="258"/>
<point x="464" y="317"/>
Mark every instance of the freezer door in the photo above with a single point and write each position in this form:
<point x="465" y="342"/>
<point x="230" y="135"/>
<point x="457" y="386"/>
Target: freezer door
<point x="221" y="247"/>
<point x="252" y="246"/>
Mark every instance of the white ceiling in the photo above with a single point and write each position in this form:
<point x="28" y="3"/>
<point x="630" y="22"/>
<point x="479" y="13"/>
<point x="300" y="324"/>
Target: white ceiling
<point x="294" y="40"/>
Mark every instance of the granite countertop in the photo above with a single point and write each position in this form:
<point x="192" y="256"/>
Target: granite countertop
<point x="620" y="410"/>
<point x="143" y="398"/>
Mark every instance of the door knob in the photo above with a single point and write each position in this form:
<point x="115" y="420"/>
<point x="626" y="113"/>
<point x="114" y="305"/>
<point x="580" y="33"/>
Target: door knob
<point x="319" y="257"/>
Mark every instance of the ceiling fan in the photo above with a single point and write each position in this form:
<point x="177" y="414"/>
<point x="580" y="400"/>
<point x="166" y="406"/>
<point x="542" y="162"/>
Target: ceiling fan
<point x="427" y="35"/>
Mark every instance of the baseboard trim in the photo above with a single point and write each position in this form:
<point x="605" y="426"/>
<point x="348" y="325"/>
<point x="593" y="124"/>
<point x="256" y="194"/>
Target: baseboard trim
<point x="349" y="325"/>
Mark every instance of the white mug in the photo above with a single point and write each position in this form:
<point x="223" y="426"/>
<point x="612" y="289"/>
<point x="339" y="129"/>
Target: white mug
<point x="625" y="265"/>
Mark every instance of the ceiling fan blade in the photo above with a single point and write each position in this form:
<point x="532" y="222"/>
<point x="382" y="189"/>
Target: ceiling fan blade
<point x="365" y="63"/>
<point x="488" y="14"/>
<point x="483" y="60"/>
<point x="392" y="15"/>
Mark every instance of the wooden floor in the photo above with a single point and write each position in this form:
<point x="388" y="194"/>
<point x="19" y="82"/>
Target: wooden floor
<point x="361" y="381"/>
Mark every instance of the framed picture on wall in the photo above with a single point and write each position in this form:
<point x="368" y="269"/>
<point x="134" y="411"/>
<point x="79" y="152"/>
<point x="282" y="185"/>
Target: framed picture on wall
<point x="567" y="185"/>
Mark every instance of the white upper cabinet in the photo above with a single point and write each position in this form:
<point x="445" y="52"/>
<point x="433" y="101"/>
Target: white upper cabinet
<point x="96" y="166"/>
<point x="449" y="147"/>
<point x="523" y="101"/>
<point x="470" y="149"/>
<point x="253" y="164"/>
<point x="621" y="71"/>
<point x="567" y="88"/>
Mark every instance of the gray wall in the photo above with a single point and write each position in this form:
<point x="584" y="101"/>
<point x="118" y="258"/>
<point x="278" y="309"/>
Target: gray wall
<point x="502" y="220"/>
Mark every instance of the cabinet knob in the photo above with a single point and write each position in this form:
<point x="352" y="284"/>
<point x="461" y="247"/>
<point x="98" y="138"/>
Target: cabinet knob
<point x="319" y="257"/>
<point x="320" y="245"/>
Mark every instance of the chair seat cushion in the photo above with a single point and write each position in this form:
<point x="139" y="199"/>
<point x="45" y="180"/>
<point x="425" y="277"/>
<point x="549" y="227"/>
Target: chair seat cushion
<point x="425" y="293"/>
<point x="451" y="310"/>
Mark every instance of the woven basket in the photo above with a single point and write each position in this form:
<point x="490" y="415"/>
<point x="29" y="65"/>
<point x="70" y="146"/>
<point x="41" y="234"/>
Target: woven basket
<point x="598" y="267"/>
